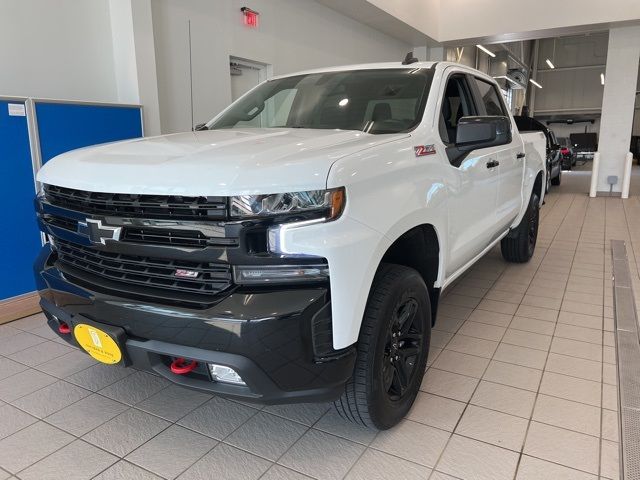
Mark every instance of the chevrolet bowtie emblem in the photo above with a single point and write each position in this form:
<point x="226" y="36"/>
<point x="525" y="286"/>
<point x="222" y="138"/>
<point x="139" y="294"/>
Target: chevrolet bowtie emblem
<point x="97" y="232"/>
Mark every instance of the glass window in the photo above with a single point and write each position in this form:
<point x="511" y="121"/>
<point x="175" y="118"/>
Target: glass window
<point x="490" y="98"/>
<point x="373" y="101"/>
<point x="275" y="112"/>
<point x="455" y="105"/>
<point x="508" y="97"/>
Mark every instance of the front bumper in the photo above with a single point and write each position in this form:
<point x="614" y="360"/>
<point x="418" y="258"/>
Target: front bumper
<point x="278" y="340"/>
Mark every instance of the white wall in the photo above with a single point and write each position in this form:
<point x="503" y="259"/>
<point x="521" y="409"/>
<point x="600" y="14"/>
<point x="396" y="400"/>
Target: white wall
<point x="60" y="49"/>
<point x="496" y="20"/>
<point x="465" y="19"/>
<point x="423" y="15"/>
<point x="134" y="58"/>
<point x="623" y="62"/>
<point x="292" y="35"/>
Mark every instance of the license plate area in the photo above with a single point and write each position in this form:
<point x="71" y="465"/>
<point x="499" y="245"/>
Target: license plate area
<point x="105" y="343"/>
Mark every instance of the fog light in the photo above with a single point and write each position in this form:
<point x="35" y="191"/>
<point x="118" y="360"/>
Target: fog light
<point x="248" y="275"/>
<point x="223" y="374"/>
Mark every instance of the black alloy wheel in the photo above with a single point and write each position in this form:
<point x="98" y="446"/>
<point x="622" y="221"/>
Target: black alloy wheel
<point x="403" y="347"/>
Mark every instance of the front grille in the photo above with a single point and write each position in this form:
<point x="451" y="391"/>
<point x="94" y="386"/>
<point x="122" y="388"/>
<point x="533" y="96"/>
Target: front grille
<point x="61" y="222"/>
<point x="177" y="238"/>
<point x="124" y="272"/>
<point x="154" y="236"/>
<point x="174" y="207"/>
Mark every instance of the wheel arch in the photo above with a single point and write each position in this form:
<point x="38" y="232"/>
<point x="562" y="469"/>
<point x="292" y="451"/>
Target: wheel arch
<point x="419" y="248"/>
<point x="538" y="186"/>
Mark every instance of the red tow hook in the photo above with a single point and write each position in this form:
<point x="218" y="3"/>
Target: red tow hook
<point x="63" y="328"/>
<point x="180" y="366"/>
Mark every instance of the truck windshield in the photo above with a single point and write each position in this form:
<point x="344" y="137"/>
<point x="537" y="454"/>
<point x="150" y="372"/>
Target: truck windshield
<point x="372" y="101"/>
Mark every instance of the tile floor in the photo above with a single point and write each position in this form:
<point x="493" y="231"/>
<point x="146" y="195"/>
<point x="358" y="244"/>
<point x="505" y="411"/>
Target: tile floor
<point x="521" y="384"/>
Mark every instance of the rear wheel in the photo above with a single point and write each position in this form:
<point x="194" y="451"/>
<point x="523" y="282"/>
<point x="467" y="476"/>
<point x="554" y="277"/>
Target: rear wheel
<point x="392" y="350"/>
<point x="519" y="245"/>
<point x="556" y="180"/>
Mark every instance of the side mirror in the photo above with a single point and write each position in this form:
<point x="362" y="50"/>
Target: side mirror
<point x="482" y="132"/>
<point x="199" y="127"/>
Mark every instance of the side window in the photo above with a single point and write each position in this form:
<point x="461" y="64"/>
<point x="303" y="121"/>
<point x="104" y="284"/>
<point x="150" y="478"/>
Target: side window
<point x="456" y="104"/>
<point x="490" y="98"/>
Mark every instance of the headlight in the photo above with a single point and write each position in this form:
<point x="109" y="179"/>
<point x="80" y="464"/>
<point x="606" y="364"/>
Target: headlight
<point x="329" y="203"/>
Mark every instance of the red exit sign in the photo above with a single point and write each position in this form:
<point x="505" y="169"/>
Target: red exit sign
<point x="250" y="17"/>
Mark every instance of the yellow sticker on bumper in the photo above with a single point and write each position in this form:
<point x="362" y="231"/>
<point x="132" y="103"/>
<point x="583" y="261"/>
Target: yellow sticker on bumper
<point x="97" y="343"/>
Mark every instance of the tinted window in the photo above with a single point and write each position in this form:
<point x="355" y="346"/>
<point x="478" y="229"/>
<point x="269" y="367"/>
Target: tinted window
<point x="490" y="98"/>
<point x="529" y="124"/>
<point x="455" y="105"/>
<point x="373" y="101"/>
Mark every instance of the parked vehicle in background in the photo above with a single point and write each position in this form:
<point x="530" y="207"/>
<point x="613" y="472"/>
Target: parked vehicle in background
<point x="567" y="154"/>
<point x="292" y="249"/>
<point x="584" y="144"/>
<point x="554" y="157"/>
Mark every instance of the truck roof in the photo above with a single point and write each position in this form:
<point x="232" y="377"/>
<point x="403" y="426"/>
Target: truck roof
<point x="385" y="65"/>
<point x="364" y="66"/>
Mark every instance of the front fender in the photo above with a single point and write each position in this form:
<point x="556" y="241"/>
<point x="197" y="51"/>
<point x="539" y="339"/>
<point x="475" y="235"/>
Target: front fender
<point x="353" y="252"/>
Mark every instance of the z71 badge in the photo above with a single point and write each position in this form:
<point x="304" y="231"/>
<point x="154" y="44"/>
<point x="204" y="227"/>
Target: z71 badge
<point x="422" y="150"/>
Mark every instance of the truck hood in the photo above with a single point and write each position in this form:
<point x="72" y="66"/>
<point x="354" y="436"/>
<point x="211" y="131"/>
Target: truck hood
<point x="210" y="162"/>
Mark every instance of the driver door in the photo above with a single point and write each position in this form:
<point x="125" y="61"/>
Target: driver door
<point x="473" y="181"/>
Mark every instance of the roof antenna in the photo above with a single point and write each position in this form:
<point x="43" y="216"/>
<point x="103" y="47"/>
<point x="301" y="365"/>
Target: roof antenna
<point x="409" y="59"/>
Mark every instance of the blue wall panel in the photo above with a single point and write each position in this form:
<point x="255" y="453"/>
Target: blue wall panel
<point x="67" y="126"/>
<point x="19" y="235"/>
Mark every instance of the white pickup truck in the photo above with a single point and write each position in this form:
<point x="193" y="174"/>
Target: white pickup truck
<point x="293" y="248"/>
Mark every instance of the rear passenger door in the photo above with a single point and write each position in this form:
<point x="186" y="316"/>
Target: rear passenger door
<point x="511" y="168"/>
<point x="473" y="183"/>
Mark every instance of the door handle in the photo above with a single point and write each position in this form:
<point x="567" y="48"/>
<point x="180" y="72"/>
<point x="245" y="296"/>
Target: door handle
<point x="521" y="155"/>
<point x="493" y="163"/>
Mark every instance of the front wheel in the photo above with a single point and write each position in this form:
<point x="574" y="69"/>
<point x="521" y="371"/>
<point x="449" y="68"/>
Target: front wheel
<point x="518" y="246"/>
<point x="557" y="180"/>
<point x="392" y="350"/>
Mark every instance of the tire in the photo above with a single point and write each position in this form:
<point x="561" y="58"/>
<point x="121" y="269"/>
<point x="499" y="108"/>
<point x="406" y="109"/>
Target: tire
<point x="519" y="245"/>
<point x="375" y="396"/>
<point x="556" y="180"/>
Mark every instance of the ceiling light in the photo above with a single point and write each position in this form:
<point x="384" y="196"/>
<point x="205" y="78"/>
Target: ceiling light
<point x="602" y="79"/>
<point x="551" y="65"/>
<point x="535" y="83"/>
<point x="343" y="102"/>
<point x="486" y="50"/>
